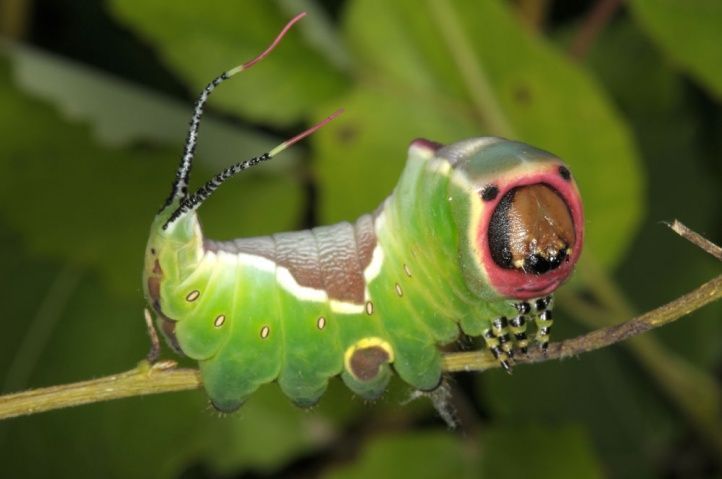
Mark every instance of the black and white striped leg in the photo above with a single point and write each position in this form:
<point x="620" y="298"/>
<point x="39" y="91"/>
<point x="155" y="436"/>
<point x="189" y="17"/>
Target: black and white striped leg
<point x="492" y="342"/>
<point x="544" y="324"/>
<point x="518" y="325"/>
<point x="500" y="330"/>
<point x="542" y="304"/>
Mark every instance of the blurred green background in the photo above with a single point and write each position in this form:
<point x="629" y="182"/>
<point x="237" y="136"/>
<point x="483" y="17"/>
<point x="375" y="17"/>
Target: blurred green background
<point x="94" y="100"/>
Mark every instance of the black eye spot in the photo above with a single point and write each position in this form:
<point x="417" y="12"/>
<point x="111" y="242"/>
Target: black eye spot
<point x="565" y="173"/>
<point x="489" y="192"/>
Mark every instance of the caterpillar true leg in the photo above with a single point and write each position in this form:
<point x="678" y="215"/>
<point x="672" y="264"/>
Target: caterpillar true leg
<point x="543" y="320"/>
<point x="494" y="345"/>
<point x="518" y="325"/>
<point x="543" y="323"/>
<point x="500" y="330"/>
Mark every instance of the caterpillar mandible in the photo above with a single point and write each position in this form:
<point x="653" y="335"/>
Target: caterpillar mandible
<point x="475" y="238"/>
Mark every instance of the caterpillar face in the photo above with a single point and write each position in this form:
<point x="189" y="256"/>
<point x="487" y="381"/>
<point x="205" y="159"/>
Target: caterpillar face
<point x="525" y="225"/>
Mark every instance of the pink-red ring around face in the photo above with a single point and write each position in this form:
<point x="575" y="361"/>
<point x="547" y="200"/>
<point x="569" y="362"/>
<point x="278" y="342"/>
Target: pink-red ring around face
<point x="516" y="284"/>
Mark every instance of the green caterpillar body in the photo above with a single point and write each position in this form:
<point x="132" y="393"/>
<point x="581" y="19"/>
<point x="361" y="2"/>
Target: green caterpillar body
<point x="471" y="232"/>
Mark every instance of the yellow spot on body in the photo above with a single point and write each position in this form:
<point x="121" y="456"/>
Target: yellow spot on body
<point x="265" y="331"/>
<point x="369" y="307"/>
<point x="399" y="291"/>
<point x="407" y="270"/>
<point x="321" y="323"/>
<point x="193" y="295"/>
<point x="220" y="319"/>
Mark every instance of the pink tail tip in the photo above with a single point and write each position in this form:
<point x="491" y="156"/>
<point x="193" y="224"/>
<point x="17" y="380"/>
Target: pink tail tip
<point x="275" y="42"/>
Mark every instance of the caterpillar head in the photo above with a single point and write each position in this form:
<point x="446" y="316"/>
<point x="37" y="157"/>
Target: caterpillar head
<point x="519" y="213"/>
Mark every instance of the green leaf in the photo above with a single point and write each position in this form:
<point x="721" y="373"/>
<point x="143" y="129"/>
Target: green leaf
<point x="629" y="421"/>
<point x="634" y="73"/>
<point x="668" y="131"/>
<point x="668" y="128"/>
<point x="95" y="439"/>
<point x="200" y="41"/>
<point x="123" y="114"/>
<point x="361" y="155"/>
<point x="420" y="455"/>
<point x="689" y="32"/>
<point x="539" y="452"/>
<point x="419" y="67"/>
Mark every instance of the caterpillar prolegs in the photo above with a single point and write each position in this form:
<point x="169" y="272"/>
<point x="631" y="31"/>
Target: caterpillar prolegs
<point x="475" y="238"/>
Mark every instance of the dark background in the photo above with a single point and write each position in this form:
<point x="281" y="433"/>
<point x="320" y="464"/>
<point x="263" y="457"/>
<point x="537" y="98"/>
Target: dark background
<point x="94" y="98"/>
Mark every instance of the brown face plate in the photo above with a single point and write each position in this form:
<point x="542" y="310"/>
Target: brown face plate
<point x="531" y="229"/>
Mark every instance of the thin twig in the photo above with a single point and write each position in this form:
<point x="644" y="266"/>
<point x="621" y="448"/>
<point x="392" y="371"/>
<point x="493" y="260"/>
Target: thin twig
<point x="145" y="379"/>
<point x="163" y="377"/>
<point x="695" y="238"/>
<point x="705" y="294"/>
<point x="600" y="338"/>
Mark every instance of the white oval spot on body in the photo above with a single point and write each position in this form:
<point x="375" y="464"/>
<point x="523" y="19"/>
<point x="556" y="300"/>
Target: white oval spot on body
<point x="193" y="295"/>
<point x="265" y="331"/>
<point x="220" y="319"/>
<point x="321" y="323"/>
<point x="399" y="291"/>
<point x="407" y="270"/>
<point x="369" y="308"/>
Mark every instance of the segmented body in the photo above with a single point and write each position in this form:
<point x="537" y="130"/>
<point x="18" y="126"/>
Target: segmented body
<point x="471" y="233"/>
<point x="440" y="256"/>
